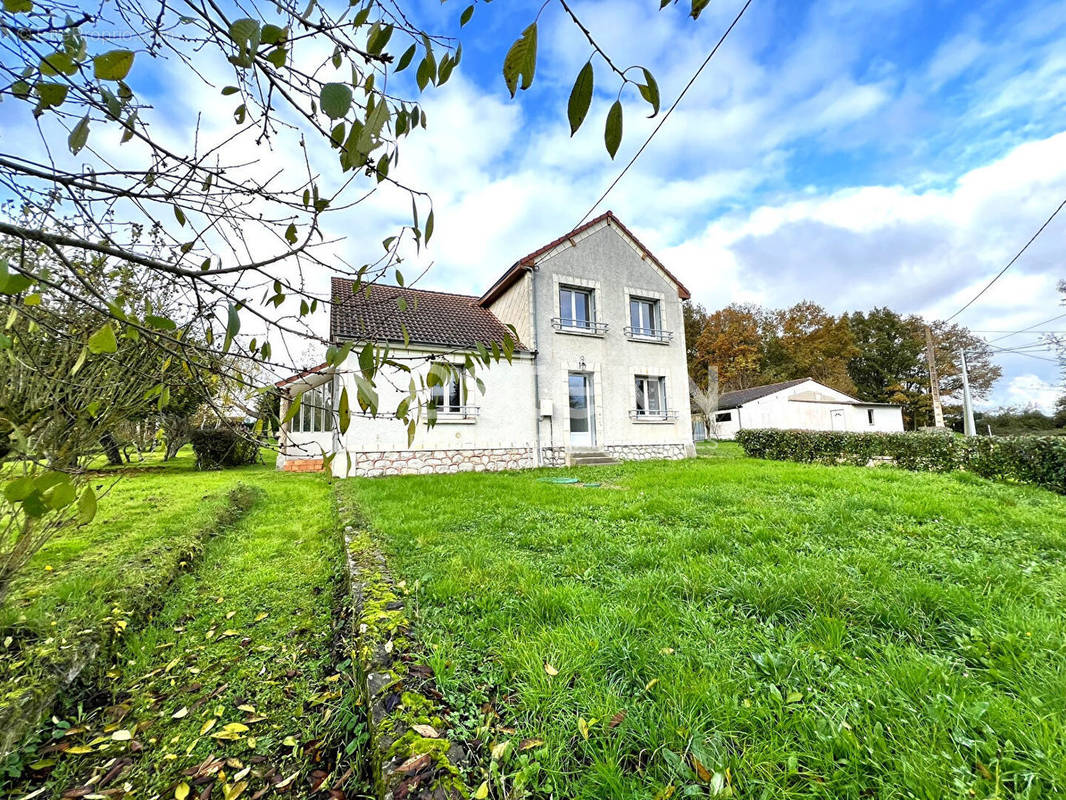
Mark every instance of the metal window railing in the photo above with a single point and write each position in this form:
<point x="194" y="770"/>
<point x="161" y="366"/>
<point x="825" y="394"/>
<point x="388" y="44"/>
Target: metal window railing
<point x="447" y="411"/>
<point x="640" y="413"/>
<point x="656" y="334"/>
<point x="579" y="325"/>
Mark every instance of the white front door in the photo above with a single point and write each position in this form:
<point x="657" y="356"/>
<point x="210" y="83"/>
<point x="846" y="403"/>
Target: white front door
<point x="836" y="420"/>
<point x="582" y="422"/>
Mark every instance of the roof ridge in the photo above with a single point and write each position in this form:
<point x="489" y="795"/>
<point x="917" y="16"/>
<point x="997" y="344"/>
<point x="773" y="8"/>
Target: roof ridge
<point x="409" y="288"/>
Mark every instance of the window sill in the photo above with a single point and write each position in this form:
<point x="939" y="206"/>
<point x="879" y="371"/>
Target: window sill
<point x="654" y="419"/>
<point x="455" y="419"/>
<point x="649" y="339"/>
<point x="582" y="332"/>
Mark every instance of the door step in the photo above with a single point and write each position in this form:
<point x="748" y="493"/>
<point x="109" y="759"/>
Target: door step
<point x="589" y="458"/>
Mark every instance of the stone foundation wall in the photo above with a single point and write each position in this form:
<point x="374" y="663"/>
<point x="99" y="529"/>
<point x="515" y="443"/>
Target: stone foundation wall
<point x="428" y="462"/>
<point x="644" y="452"/>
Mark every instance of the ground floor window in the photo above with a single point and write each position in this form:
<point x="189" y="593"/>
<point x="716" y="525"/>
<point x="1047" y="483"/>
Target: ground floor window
<point x="870" y="416"/>
<point x="651" y="395"/>
<point x="448" y="396"/>
<point x="316" y="410"/>
<point x="723" y="416"/>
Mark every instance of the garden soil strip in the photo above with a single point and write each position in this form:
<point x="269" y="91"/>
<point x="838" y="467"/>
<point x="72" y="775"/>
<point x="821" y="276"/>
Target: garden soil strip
<point x="232" y="690"/>
<point x="48" y="666"/>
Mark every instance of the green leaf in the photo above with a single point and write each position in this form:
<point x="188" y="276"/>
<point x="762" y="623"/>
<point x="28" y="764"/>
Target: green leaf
<point x="405" y="59"/>
<point x="580" y="98"/>
<point x="79" y="135"/>
<point x="51" y="95"/>
<point x="366" y="359"/>
<point x="87" y="506"/>
<point x="245" y="32"/>
<point x="335" y="99"/>
<point x="521" y="60"/>
<point x="344" y="415"/>
<point x="698" y="6"/>
<point x="429" y="226"/>
<point x="179" y="215"/>
<point x="12" y="282"/>
<point x="19" y="489"/>
<point x="466" y="16"/>
<point x="233" y="326"/>
<point x="272" y="34"/>
<point x="18" y="6"/>
<point x="290" y="233"/>
<point x="612" y="134"/>
<point x="62" y="494"/>
<point x="113" y="65"/>
<point x="228" y="90"/>
<point x="160" y="323"/>
<point x="378" y="39"/>
<point x="103" y="341"/>
<point x="58" y="63"/>
<point x="650" y="91"/>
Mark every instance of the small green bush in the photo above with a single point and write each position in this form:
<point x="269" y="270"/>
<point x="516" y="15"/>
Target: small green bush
<point x="216" y="448"/>
<point x="1039" y="460"/>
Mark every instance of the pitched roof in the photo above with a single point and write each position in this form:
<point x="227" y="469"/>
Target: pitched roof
<point x="742" y="396"/>
<point x="434" y="318"/>
<point x="526" y="262"/>
<point x="299" y="375"/>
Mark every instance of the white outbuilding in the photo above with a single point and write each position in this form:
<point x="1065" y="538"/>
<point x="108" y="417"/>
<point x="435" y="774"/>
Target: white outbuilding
<point x="802" y="404"/>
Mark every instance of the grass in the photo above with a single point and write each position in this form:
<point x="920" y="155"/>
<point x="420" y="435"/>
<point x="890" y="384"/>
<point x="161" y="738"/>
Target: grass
<point x="743" y="627"/>
<point x="234" y="681"/>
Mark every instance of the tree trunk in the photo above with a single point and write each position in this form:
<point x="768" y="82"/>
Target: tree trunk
<point x="111" y="449"/>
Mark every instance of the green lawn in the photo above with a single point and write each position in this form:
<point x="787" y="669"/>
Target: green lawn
<point x="234" y="673"/>
<point x="753" y="628"/>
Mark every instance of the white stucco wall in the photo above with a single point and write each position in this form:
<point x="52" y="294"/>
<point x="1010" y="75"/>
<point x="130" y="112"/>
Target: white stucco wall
<point x="793" y="408"/>
<point x="505" y="419"/>
<point x="606" y="261"/>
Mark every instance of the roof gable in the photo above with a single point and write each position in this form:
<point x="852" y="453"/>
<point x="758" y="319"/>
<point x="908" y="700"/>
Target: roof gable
<point x="530" y="260"/>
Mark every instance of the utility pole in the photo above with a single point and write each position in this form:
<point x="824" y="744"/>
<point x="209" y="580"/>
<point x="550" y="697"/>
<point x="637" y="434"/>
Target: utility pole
<point x="968" y="426"/>
<point x="934" y="380"/>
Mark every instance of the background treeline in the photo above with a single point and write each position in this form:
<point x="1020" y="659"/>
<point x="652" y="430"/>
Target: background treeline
<point x="877" y="356"/>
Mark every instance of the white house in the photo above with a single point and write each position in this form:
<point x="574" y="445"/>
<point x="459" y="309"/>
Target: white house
<point x="802" y="404"/>
<point x="599" y="374"/>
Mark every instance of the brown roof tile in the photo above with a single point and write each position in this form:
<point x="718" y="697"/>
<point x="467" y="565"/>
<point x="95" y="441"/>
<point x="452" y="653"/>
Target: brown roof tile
<point x="433" y="318"/>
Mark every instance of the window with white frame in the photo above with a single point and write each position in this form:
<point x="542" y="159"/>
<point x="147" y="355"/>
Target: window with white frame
<point x="576" y="308"/>
<point x="644" y="319"/>
<point x="316" y="410"/>
<point x="651" y="395"/>
<point x="448" y="396"/>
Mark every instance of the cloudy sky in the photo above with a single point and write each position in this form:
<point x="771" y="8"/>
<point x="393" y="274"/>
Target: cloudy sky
<point x="856" y="153"/>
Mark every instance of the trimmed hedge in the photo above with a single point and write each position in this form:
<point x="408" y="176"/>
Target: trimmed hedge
<point x="1039" y="460"/>
<point x="216" y="448"/>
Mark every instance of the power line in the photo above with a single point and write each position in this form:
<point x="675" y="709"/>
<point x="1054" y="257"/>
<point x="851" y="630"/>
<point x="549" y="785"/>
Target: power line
<point x="1026" y="330"/>
<point x="1010" y="264"/>
<point x="669" y="111"/>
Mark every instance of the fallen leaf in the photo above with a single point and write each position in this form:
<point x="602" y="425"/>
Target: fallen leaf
<point x="262" y="615"/>
<point x="482" y="791"/>
<point x="181" y="791"/>
<point x="550" y="669"/>
<point x="121" y="736"/>
<point x="650" y="684"/>
<point x="499" y="750"/>
<point x="236" y="790"/>
<point x="583" y="727"/>
<point x="666" y="792"/>
<point x="78" y="750"/>
<point x="181" y="713"/>
<point x="428" y="731"/>
<point x="229" y="614"/>
<point x="701" y="771"/>
<point x="616" y="720"/>
<point x="208" y="726"/>
<point x="415" y="763"/>
<point x="529" y="744"/>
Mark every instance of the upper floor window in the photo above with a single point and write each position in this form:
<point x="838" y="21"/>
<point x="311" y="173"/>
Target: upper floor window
<point x="644" y="316"/>
<point x="645" y="321"/>
<point x="316" y="410"/>
<point x="575" y="307"/>
<point x="651" y="395"/>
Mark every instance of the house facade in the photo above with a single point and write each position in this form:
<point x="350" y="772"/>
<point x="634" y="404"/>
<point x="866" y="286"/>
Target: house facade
<point x="600" y="371"/>
<point x="802" y="404"/>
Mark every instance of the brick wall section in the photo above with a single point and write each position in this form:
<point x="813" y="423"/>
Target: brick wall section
<point x="303" y="465"/>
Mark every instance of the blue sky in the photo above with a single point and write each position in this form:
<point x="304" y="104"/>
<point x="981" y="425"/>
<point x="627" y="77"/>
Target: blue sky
<point x="856" y="153"/>
<point x="884" y="152"/>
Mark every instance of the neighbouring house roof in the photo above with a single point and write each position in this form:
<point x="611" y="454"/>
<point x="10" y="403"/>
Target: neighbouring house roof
<point x="742" y="396"/>
<point x="430" y="318"/>
<point x="526" y="262"/>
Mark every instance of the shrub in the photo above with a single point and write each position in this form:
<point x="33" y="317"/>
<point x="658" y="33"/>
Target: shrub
<point x="1039" y="460"/>
<point x="223" y="447"/>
